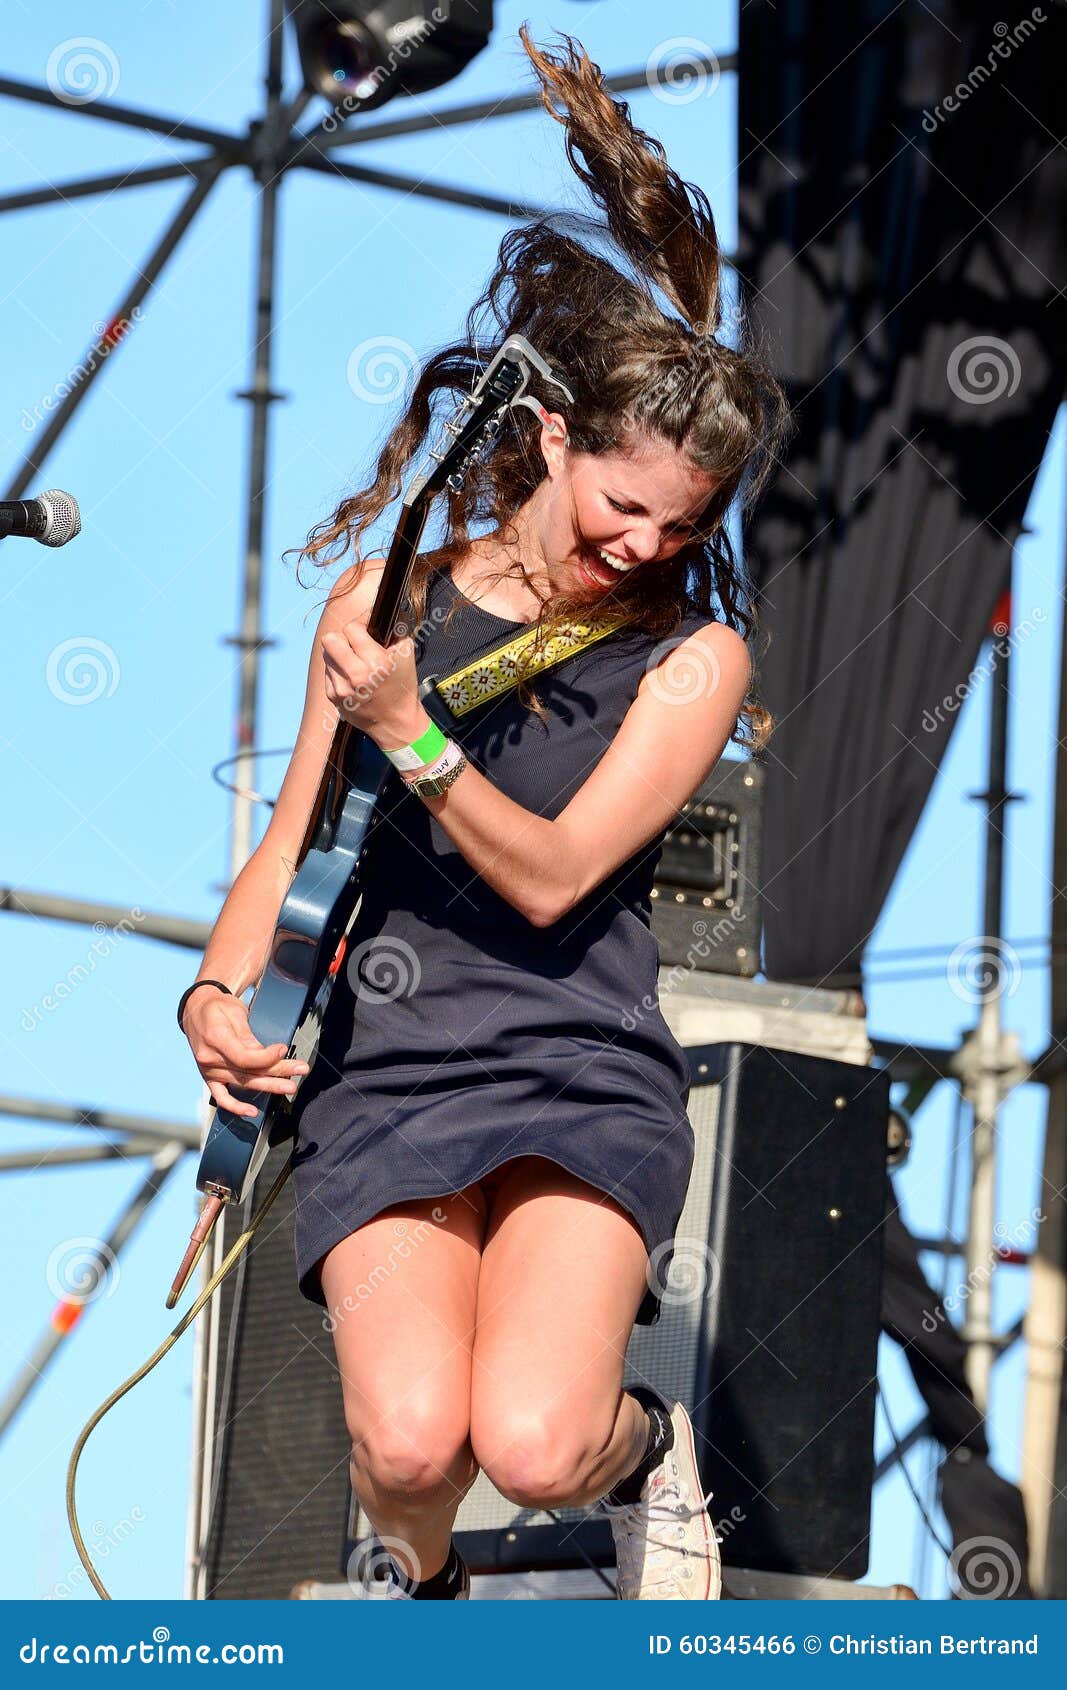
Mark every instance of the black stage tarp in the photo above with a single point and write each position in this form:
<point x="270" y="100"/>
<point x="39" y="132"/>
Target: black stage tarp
<point x="902" y="257"/>
<point x="902" y="263"/>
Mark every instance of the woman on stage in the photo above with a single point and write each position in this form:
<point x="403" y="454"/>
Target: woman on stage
<point x="492" y="1146"/>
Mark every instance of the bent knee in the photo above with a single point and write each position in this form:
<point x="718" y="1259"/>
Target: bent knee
<point x="534" y="1461"/>
<point x="409" y="1452"/>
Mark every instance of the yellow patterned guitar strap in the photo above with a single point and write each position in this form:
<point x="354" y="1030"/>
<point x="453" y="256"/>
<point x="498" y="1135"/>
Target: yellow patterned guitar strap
<point x="497" y="670"/>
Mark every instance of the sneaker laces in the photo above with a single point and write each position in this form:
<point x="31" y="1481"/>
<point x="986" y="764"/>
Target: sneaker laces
<point x="669" y="1507"/>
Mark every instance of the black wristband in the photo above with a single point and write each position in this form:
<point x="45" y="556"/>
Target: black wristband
<point x="184" y="999"/>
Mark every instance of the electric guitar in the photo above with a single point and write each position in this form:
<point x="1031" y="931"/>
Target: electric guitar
<point x="310" y="935"/>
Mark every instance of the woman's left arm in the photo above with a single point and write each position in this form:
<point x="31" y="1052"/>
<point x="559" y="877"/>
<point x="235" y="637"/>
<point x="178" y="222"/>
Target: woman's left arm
<point x="670" y="739"/>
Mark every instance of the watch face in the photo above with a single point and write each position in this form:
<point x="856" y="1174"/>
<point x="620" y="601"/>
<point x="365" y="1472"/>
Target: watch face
<point x="432" y="786"/>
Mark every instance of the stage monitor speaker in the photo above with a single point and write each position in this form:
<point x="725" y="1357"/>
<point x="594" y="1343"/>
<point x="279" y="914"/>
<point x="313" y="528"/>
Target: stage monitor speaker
<point x="281" y="1447"/>
<point x="705" y="905"/>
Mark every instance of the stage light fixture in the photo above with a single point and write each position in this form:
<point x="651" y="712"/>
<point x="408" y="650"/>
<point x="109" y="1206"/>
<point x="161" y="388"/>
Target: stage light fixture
<point x="358" y="54"/>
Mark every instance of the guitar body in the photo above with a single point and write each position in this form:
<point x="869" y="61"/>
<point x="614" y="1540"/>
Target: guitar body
<point x="298" y="977"/>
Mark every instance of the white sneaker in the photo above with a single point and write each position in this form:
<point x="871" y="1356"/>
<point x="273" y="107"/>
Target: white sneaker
<point x="665" y="1543"/>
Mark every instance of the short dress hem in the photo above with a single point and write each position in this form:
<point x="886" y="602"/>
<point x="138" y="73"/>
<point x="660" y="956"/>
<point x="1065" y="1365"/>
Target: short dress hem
<point x="309" y="1280"/>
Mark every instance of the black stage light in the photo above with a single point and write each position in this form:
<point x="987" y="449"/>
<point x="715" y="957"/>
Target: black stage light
<point x="358" y="54"/>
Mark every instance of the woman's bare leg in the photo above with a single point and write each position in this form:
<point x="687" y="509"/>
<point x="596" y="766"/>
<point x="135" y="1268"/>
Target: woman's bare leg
<point x="562" y="1276"/>
<point x="401" y="1296"/>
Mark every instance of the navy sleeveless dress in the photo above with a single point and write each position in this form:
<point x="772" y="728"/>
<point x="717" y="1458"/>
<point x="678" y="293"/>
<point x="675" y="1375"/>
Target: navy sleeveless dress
<point x="458" y="1035"/>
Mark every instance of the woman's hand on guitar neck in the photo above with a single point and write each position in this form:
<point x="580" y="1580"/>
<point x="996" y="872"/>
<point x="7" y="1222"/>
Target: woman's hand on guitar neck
<point x="227" y="1052"/>
<point x="372" y="686"/>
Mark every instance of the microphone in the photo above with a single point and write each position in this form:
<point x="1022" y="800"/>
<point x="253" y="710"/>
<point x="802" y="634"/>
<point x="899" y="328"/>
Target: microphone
<point x="53" y="519"/>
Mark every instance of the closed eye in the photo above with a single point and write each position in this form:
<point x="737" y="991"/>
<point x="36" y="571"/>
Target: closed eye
<point x="688" y="528"/>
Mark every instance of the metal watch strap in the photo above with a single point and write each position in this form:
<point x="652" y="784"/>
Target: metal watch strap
<point x="432" y="786"/>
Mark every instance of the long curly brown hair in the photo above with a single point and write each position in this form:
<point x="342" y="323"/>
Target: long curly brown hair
<point x="637" y="374"/>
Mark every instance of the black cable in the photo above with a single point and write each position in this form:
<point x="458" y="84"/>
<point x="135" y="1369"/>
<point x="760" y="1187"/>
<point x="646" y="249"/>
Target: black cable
<point x="903" y="1465"/>
<point x="229" y="786"/>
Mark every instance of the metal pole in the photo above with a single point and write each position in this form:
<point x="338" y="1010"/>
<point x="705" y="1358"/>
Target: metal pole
<point x="270" y="149"/>
<point x="987" y="1051"/>
<point x="478" y="111"/>
<point x="95" y="1266"/>
<point x="1044" y="1462"/>
<point x="206" y="174"/>
<point x="146" y="1127"/>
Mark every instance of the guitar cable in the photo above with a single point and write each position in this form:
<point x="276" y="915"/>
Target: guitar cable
<point x="231" y="1260"/>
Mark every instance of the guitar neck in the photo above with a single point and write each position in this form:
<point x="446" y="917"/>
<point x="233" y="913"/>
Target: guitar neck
<point x="380" y="624"/>
<point x="478" y="415"/>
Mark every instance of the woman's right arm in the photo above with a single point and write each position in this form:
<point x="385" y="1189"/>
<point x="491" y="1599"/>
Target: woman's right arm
<point x="224" y="1047"/>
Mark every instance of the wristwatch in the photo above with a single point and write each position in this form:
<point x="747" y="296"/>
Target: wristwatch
<point x="432" y="785"/>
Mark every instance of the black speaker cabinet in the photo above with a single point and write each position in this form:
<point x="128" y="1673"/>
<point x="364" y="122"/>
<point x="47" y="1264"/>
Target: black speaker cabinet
<point x="282" y="1490"/>
<point x="705" y="907"/>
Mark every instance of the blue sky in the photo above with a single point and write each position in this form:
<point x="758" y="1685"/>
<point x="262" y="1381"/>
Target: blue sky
<point x="113" y="800"/>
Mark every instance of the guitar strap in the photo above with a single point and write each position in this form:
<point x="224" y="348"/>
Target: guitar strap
<point x="505" y="663"/>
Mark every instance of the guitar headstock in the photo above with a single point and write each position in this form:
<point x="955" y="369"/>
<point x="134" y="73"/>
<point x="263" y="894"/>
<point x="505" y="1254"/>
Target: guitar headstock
<point x="506" y="382"/>
<point x="503" y="384"/>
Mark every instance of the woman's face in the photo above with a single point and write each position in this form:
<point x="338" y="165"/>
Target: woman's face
<point x="640" y="506"/>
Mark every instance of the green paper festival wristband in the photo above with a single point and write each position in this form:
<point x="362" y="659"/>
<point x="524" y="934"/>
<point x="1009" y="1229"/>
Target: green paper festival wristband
<point x="426" y="749"/>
